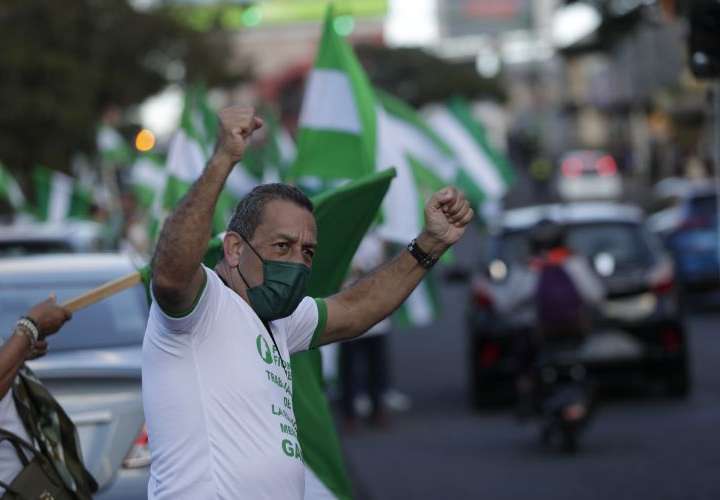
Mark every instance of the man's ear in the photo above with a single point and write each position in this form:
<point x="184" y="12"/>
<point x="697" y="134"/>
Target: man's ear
<point x="232" y="247"/>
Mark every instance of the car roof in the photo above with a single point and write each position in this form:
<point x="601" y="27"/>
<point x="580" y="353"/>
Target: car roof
<point x="571" y="213"/>
<point x="63" y="269"/>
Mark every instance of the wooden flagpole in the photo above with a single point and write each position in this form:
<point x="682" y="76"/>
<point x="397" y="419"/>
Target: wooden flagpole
<point x="103" y="292"/>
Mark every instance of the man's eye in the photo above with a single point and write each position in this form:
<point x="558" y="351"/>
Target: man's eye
<point x="309" y="253"/>
<point x="282" y="245"/>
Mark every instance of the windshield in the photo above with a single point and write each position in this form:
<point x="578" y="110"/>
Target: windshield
<point x="117" y="321"/>
<point x="626" y="242"/>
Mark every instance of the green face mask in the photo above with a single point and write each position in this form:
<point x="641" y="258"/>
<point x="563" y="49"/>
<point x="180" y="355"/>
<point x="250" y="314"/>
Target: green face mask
<point x="282" y="289"/>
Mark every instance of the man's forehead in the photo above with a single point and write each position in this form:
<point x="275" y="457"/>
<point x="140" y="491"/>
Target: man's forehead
<point x="283" y="218"/>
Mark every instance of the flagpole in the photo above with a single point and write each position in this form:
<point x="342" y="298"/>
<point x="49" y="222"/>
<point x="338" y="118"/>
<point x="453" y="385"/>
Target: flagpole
<point x="103" y="291"/>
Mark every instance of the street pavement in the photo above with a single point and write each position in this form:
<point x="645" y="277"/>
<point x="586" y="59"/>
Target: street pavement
<point x="639" y="447"/>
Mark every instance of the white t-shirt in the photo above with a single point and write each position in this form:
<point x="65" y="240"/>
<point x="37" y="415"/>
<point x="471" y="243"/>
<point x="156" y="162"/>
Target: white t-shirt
<point x="218" y="403"/>
<point x="10" y="465"/>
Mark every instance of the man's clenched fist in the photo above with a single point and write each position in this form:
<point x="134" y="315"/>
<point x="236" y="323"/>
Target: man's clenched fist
<point x="446" y="215"/>
<point x="237" y="123"/>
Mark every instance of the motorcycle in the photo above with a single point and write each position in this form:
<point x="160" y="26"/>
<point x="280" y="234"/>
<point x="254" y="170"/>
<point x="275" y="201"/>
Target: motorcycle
<point x="565" y="399"/>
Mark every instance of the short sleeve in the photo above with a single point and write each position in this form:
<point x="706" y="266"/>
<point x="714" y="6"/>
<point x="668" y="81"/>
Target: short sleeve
<point x="189" y="322"/>
<point x="305" y="326"/>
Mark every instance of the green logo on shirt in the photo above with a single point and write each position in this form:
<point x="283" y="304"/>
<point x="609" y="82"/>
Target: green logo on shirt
<point x="265" y="353"/>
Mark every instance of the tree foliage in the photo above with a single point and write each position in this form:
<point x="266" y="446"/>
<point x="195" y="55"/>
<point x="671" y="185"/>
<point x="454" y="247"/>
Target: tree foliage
<point x="63" y="62"/>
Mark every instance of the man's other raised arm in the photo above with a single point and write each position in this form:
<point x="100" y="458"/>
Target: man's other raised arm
<point x="355" y="309"/>
<point x="177" y="277"/>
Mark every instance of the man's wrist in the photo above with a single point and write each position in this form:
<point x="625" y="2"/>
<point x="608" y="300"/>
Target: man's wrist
<point x="222" y="159"/>
<point x="431" y="245"/>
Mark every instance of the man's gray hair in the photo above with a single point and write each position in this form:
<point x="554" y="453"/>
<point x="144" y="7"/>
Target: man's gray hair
<point x="248" y="213"/>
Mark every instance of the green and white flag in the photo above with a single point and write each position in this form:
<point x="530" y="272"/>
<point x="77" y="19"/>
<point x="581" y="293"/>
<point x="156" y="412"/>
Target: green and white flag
<point x="147" y="177"/>
<point x="10" y="190"/>
<point x="486" y="173"/>
<point x="59" y="197"/>
<point x="114" y="149"/>
<point x="346" y="130"/>
<point x="337" y="128"/>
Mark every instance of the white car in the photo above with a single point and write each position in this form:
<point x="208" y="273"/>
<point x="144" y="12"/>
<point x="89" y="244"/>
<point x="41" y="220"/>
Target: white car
<point x="588" y="175"/>
<point x="93" y="363"/>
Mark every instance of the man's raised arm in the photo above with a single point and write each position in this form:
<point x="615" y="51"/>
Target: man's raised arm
<point x="177" y="278"/>
<point x="354" y="310"/>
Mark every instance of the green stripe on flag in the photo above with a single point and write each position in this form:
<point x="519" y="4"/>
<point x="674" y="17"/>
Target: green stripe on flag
<point x="59" y="196"/>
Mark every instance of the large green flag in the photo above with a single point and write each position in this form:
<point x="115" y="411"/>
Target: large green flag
<point x="59" y="196"/>
<point x="338" y="241"/>
<point x="336" y="139"/>
<point x="10" y="190"/>
<point x="485" y="172"/>
<point x="359" y="202"/>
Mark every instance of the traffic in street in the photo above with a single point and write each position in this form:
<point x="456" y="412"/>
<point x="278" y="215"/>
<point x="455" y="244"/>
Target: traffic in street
<point x="640" y="444"/>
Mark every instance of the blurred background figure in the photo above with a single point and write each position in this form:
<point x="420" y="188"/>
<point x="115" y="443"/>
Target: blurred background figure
<point x="364" y="363"/>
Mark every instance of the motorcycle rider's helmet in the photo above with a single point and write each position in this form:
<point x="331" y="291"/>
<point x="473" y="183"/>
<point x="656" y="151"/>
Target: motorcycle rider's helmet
<point x="546" y="235"/>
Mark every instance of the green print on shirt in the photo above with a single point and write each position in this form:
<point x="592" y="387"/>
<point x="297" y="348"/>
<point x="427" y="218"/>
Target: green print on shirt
<point x="261" y="343"/>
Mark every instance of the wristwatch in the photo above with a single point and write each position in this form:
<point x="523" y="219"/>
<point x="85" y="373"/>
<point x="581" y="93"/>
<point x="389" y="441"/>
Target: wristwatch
<point x="423" y="258"/>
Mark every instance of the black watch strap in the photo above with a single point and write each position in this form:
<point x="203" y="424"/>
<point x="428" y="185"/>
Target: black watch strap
<point x="423" y="258"/>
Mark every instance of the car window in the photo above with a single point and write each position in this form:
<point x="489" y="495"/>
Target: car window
<point x="117" y="321"/>
<point x="626" y="242"/>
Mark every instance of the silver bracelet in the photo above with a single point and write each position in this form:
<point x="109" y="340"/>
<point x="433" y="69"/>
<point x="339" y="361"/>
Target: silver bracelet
<point x="30" y="327"/>
<point x="24" y="332"/>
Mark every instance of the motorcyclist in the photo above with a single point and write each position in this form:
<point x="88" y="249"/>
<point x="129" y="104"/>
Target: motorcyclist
<point x="551" y="298"/>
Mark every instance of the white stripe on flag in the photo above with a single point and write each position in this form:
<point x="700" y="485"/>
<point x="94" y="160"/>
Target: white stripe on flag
<point x="474" y="160"/>
<point x="147" y="173"/>
<point x="240" y="182"/>
<point x="186" y="158"/>
<point x="61" y="188"/>
<point x="17" y="199"/>
<point x="329" y="103"/>
<point x="401" y="206"/>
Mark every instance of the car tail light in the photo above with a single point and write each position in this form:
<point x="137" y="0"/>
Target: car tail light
<point x="671" y="339"/>
<point x="139" y="454"/>
<point x="663" y="287"/>
<point x="489" y="354"/>
<point x="662" y="279"/>
<point x="572" y="167"/>
<point x="606" y="166"/>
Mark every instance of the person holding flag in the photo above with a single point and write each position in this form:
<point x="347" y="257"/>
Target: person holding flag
<point x="217" y="382"/>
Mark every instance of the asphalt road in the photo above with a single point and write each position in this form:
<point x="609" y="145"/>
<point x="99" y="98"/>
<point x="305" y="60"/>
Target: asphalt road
<point x="643" y="447"/>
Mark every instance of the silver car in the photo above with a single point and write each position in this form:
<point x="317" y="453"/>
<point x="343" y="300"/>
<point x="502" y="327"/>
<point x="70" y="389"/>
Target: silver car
<point x="93" y="363"/>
